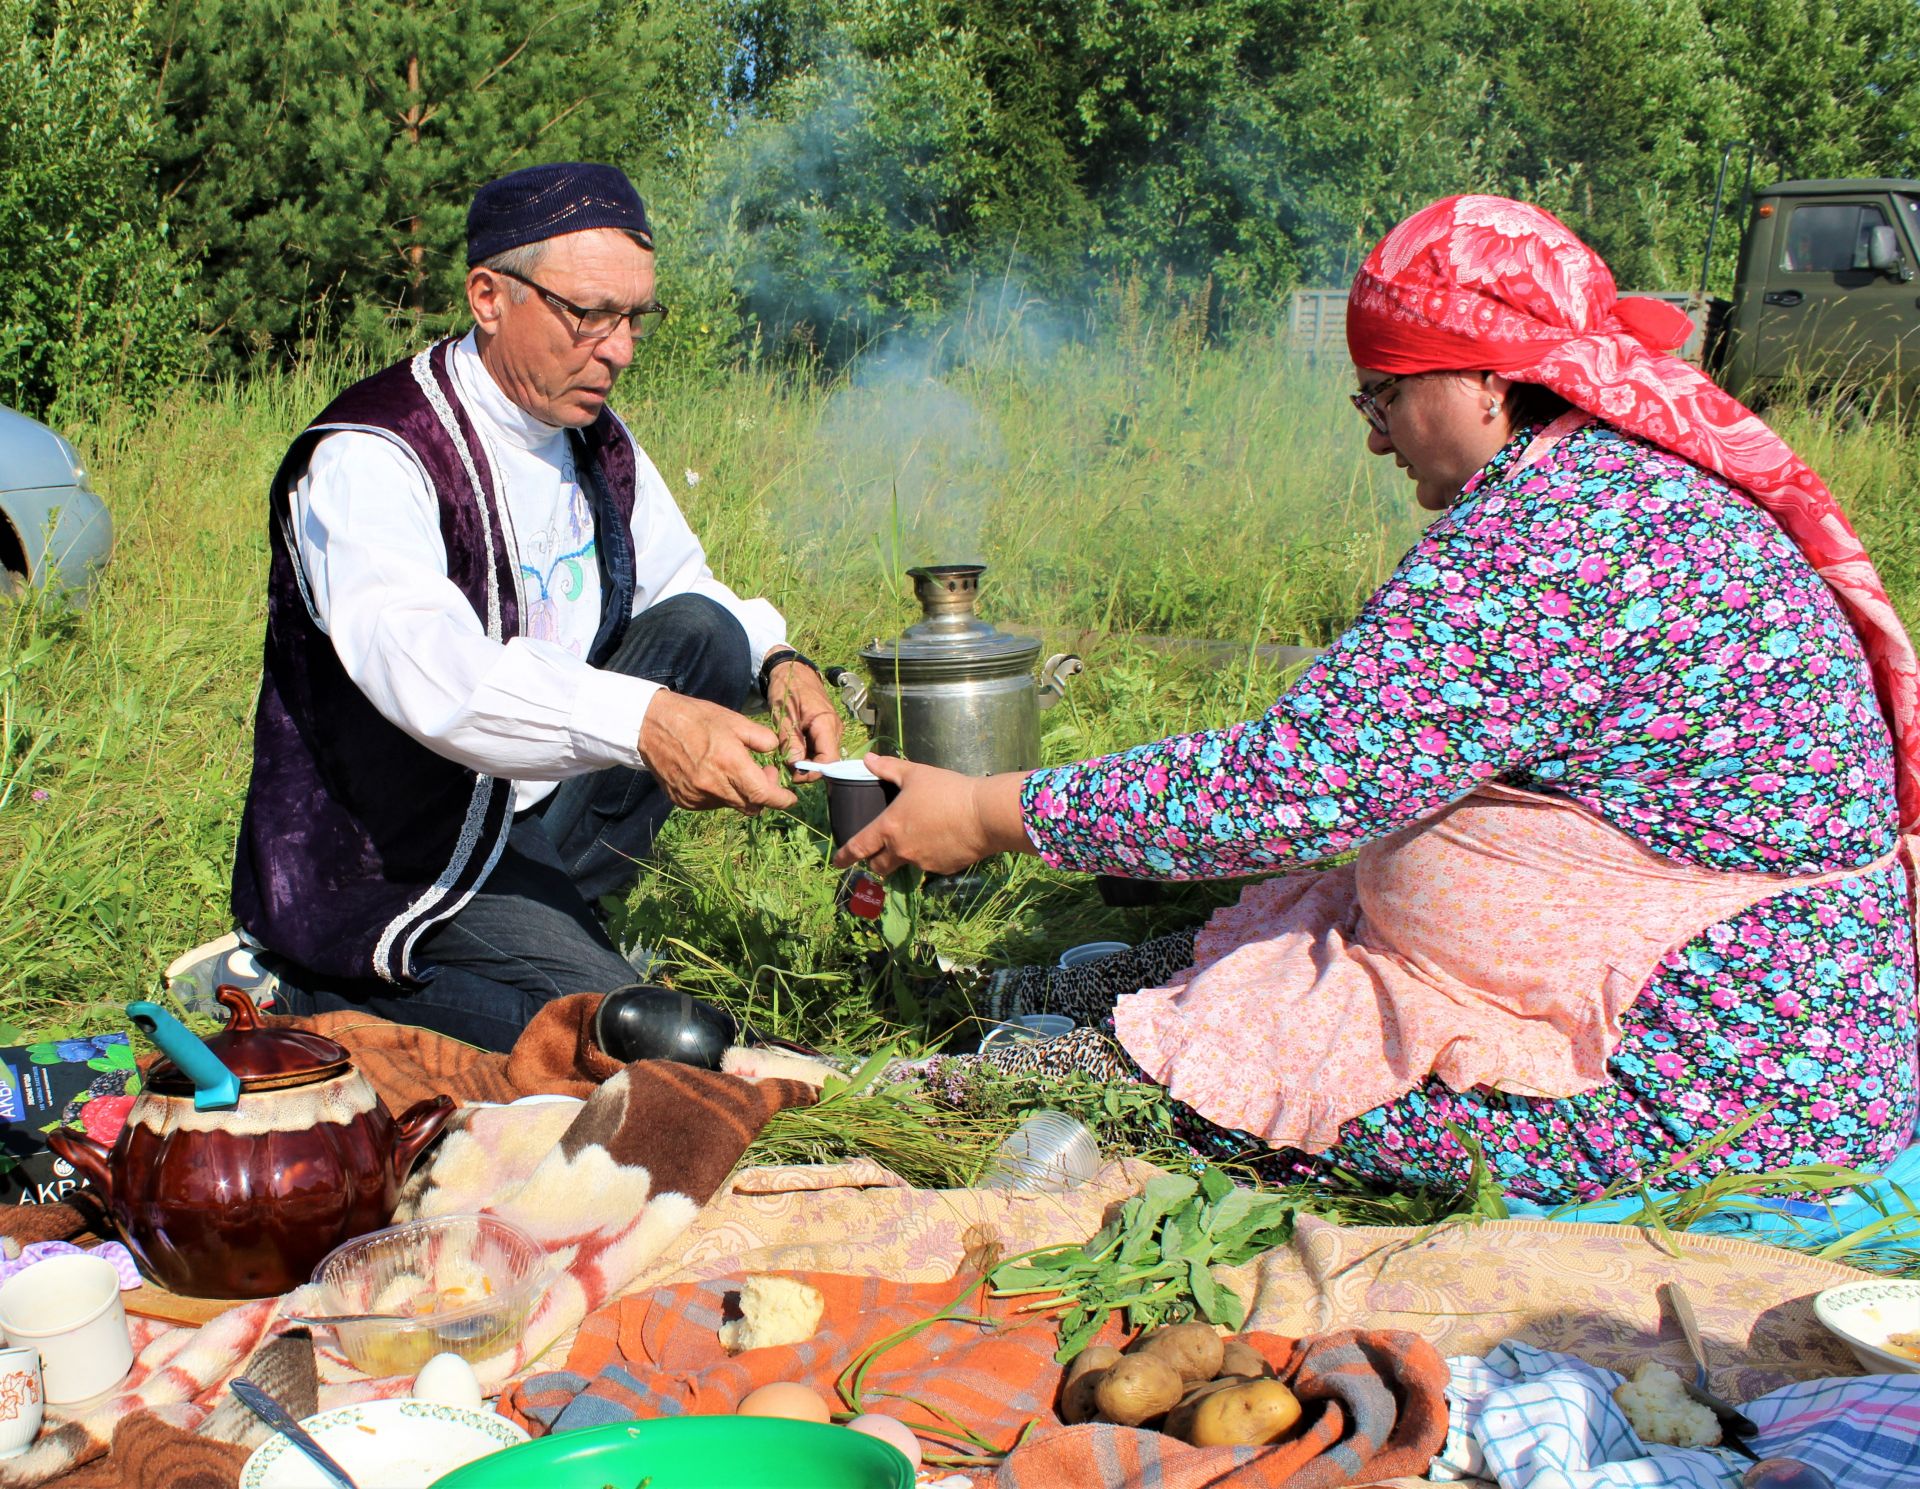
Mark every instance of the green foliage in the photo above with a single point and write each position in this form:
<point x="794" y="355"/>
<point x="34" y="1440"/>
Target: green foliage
<point x="915" y="147"/>
<point x="322" y="155"/>
<point x="94" y="302"/>
<point x="1153" y="1261"/>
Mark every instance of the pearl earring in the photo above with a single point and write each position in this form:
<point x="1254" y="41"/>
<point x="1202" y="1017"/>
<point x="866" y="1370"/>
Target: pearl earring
<point x="1493" y="407"/>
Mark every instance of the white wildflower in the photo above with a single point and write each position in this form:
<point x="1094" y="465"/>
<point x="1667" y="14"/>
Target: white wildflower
<point x="693" y="478"/>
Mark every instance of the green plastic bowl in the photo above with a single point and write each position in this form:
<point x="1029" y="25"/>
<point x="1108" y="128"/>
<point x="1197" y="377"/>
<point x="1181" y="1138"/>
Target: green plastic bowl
<point x="694" y="1453"/>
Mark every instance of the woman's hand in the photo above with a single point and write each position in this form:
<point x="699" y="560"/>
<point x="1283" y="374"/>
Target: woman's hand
<point x="940" y="821"/>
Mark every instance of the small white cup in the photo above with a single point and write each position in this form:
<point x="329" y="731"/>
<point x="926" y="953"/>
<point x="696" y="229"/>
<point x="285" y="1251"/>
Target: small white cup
<point x="22" y="1401"/>
<point x="69" y="1309"/>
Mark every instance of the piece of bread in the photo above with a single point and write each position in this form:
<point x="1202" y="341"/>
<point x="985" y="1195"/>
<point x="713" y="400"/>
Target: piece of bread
<point x="773" y="1310"/>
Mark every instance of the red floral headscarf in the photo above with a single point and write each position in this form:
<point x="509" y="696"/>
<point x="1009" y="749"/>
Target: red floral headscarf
<point x="1483" y="282"/>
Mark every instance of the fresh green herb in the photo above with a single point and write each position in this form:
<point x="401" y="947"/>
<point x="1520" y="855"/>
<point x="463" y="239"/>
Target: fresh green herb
<point x="1155" y="1260"/>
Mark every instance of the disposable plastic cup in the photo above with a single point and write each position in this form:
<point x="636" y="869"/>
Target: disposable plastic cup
<point x="1048" y="1153"/>
<point x="1026" y="1027"/>
<point x="855" y="796"/>
<point x="1091" y="951"/>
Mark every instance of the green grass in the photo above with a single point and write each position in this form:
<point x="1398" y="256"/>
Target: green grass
<point x="1148" y="484"/>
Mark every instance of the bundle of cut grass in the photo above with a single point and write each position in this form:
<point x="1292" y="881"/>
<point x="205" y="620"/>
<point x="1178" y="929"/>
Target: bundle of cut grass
<point x="866" y="1115"/>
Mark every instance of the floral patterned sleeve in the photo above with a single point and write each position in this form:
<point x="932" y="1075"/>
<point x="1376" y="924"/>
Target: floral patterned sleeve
<point x="1483" y="653"/>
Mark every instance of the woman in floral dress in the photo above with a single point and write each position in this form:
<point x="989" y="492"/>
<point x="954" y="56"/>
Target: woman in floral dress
<point x="1626" y="744"/>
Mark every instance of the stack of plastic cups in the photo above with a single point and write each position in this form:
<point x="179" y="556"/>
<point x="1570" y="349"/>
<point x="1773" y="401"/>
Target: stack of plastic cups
<point x="1048" y="1153"/>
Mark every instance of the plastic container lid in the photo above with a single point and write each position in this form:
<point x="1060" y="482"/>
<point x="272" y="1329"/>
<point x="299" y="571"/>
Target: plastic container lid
<point x="694" y="1453"/>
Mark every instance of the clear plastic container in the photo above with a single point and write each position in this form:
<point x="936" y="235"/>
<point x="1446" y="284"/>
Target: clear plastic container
<point x="1027" y="1026"/>
<point x="1048" y="1153"/>
<point x="465" y="1283"/>
<point x="1089" y="951"/>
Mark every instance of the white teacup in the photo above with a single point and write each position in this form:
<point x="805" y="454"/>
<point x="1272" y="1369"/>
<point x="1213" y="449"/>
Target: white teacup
<point x="22" y="1401"/>
<point x="69" y="1309"/>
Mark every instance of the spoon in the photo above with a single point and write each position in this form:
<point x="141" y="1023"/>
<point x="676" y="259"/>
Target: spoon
<point x="1735" y="1426"/>
<point x="277" y="1417"/>
<point x="334" y="1320"/>
<point x="1785" y="1473"/>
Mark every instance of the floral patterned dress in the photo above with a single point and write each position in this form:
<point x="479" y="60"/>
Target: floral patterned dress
<point x="1618" y="626"/>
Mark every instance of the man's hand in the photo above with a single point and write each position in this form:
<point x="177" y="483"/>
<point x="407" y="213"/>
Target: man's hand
<point x="941" y="821"/>
<point x="804" y="714"/>
<point x="702" y="755"/>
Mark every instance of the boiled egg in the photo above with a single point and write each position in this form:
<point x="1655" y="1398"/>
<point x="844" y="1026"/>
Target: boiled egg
<point x="890" y="1430"/>
<point x="787" y="1399"/>
<point x="448" y="1380"/>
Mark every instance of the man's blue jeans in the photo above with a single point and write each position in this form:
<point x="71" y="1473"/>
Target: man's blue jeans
<point x="530" y="934"/>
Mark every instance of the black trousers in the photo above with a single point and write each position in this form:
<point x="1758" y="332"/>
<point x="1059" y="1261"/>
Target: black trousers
<point x="530" y="934"/>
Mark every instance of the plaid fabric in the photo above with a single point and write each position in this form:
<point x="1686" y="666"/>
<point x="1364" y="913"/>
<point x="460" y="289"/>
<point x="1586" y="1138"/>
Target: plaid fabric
<point x="1531" y="1419"/>
<point x="1375" y="1401"/>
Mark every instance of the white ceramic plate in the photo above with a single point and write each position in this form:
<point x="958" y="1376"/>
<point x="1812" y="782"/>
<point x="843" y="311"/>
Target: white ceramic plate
<point x="1862" y="1314"/>
<point x="384" y="1445"/>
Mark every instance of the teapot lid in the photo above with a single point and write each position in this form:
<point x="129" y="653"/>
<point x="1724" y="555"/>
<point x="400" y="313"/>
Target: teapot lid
<point x="951" y="640"/>
<point x="262" y="1057"/>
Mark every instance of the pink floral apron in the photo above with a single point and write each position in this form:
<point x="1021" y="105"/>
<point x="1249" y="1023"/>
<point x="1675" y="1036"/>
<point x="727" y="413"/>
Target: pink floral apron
<point x="1495" y="944"/>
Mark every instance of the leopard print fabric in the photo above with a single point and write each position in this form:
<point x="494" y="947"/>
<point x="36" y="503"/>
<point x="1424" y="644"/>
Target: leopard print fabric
<point x="1087" y="994"/>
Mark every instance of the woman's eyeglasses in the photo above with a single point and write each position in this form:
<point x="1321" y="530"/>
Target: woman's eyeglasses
<point x="1367" y="400"/>
<point x="596" y="324"/>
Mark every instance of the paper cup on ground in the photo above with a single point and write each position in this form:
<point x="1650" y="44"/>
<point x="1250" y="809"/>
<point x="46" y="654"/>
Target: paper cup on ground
<point x="68" y="1308"/>
<point x="1091" y="951"/>
<point x="22" y="1401"/>
<point x="1049" y="1153"/>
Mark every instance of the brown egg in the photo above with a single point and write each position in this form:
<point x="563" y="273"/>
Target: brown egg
<point x="787" y="1399"/>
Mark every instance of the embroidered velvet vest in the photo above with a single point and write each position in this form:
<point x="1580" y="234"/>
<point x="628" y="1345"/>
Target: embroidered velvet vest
<point x="357" y="839"/>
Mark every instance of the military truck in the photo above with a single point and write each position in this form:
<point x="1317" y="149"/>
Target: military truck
<point x="1824" y="301"/>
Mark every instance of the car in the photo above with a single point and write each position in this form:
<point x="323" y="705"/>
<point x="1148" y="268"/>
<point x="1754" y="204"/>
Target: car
<point x="55" y="532"/>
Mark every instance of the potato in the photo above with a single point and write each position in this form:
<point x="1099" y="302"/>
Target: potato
<point x="1179" y="1422"/>
<point x="1136" y="1389"/>
<point x="1093" y="1357"/>
<point x="1240" y="1358"/>
<point x="1243" y="1416"/>
<point x="1082" y="1379"/>
<point x="1193" y="1350"/>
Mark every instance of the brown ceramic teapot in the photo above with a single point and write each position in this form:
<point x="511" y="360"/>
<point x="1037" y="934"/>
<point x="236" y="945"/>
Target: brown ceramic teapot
<point x="248" y="1157"/>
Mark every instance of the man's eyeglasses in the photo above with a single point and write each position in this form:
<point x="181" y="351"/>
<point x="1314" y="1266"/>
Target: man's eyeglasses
<point x="1367" y="400"/>
<point x="596" y="324"/>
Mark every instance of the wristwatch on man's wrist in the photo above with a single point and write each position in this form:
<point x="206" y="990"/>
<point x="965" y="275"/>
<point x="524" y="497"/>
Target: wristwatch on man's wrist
<point x="779" y="657"/>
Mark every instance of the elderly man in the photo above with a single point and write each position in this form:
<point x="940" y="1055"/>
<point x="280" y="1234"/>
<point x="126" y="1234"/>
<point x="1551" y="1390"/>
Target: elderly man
<point x="496" y="657"/>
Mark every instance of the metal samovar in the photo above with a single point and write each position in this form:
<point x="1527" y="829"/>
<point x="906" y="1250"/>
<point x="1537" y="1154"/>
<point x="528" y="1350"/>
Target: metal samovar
<point x="953" y="691"/>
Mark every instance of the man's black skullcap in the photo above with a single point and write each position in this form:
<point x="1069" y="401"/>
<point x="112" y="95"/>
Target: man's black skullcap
<point x="544" y="201"/>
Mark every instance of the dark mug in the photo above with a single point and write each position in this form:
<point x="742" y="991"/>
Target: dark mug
<point x="852" y="804"/>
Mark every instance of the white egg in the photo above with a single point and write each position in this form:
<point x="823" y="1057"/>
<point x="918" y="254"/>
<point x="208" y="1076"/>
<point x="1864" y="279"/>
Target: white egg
<point x="448" y="1380"/>
<point x="890" y="1430"/>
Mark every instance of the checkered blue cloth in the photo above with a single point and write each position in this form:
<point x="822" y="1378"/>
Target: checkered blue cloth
<point x="1530" y="1419"/>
